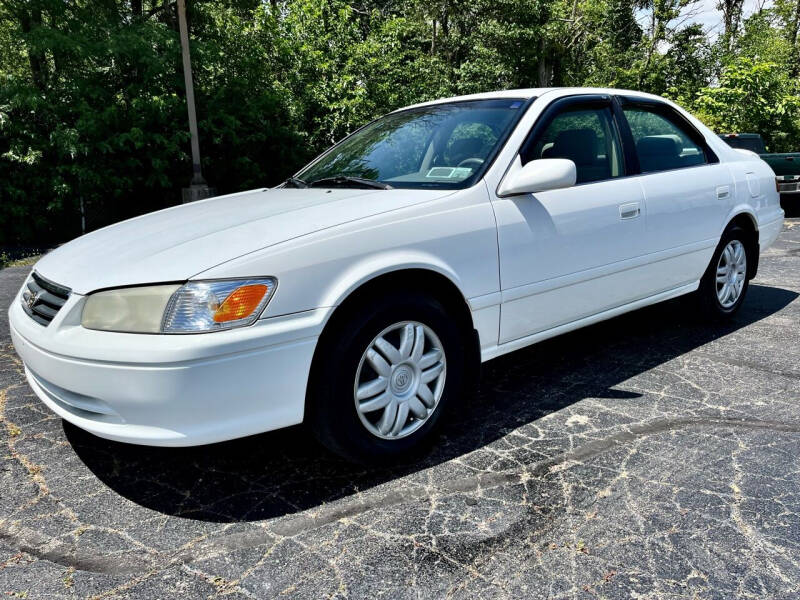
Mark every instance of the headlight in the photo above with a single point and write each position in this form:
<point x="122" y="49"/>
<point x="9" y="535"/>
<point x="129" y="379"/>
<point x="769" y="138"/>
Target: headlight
<point x="134" y="310"/>
<point x="195" y="307"/>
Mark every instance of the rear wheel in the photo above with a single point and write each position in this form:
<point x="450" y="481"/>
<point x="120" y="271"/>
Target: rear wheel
<point x="724" y="285"/>
<point x="383" y="377"/>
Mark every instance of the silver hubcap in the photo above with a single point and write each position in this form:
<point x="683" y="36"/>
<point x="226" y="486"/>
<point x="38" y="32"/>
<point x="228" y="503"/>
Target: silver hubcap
<point x="731" y="273"/>
<point x="400" y="380"/>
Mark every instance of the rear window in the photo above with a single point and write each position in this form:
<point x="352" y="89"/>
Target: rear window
<point x="754" y="144"/>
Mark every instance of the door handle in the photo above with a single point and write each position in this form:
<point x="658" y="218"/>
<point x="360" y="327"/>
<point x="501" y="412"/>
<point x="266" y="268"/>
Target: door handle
<point x="723" y="192"/>
<point x="631" y="210"/>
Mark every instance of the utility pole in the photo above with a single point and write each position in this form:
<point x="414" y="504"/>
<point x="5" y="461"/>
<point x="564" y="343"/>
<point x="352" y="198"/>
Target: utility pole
<point x="198" y="188"/>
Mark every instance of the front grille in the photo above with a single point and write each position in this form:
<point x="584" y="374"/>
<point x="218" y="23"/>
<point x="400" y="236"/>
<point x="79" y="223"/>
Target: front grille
<point x="42" y="299"/>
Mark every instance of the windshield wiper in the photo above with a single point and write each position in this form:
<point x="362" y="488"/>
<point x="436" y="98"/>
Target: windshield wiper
<point x="344" y="180"/>
<point x="294" y="182"/>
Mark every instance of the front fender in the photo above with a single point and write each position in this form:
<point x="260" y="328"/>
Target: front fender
<point x="370" y="267"/>
<point x="454" y="236"/>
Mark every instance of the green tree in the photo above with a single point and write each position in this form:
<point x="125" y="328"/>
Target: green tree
<point x="753" y="97"/>
<point x="97" y="114"/>
<point x="92" y="106"/>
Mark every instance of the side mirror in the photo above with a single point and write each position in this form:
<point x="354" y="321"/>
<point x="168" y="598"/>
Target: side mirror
<point x="538" y="176"/>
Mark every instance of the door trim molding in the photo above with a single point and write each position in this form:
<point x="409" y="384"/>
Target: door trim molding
<point x="547" y="285"/>
<point x="494" y="351"/>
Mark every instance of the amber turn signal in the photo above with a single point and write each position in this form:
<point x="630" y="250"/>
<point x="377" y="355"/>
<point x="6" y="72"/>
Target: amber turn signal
<point x="241" y="303"/>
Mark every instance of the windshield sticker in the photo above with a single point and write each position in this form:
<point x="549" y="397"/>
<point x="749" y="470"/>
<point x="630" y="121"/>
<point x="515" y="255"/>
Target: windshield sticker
<point x="449" y="172"/>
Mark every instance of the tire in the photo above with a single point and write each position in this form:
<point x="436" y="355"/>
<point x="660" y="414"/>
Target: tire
<point x="343" y="367"/>
<point x="711" y="294"/>
<point x="791" y="207"/>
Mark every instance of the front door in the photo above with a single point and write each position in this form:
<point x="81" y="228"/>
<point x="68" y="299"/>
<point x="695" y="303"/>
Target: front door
<point x="570" y="253"/>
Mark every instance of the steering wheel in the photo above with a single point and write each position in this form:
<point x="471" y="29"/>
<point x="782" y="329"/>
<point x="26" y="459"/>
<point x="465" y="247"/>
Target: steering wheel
<point x="470" y="162"/>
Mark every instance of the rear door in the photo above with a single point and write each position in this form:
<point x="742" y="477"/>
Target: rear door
<point x="687" y="192"/>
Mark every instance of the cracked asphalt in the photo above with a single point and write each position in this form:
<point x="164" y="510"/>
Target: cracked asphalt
<point x="650" y="456"/>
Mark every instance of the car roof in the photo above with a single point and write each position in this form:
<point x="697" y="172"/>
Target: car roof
<point x="528" y="93"/>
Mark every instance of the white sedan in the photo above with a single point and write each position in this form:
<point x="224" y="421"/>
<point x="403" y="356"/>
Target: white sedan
<point x="362" y="294"/>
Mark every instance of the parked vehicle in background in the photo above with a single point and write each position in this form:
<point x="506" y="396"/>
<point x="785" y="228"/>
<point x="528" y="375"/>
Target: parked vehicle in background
<point x="361" y="295"/>
<point x="785" y="164"/>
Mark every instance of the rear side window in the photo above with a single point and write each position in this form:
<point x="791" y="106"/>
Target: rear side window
<point x="585" y="136"/>
<point x="662" y="144"/>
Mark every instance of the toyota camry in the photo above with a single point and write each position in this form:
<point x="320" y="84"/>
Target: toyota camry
<point x="361" y="295"/>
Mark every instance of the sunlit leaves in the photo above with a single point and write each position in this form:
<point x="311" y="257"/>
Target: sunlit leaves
<point x="92" y="105"/>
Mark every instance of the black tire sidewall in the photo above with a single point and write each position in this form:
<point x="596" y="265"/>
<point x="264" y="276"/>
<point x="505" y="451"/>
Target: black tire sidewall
<point x="332" y="412"/>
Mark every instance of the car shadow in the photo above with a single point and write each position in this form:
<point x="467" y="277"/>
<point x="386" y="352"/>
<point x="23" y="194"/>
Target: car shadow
<point x="279" y="473"/>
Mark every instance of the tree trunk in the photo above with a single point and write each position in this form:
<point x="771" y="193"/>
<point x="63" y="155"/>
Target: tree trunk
<point x="36" y="58"/>
<point x="731" y="18"/>
<point x="793" y="38"/>
<point x="545" y="70"/>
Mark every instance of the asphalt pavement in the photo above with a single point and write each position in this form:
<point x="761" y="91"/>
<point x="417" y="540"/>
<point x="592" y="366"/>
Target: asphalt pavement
<point x="650" y="456"/>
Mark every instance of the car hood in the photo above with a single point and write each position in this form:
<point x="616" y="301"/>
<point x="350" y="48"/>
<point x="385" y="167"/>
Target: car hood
<point x="180" y="242"/>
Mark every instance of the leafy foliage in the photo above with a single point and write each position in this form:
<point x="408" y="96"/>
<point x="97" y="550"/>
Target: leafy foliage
<point x="754" y="96"/>
<point x="92" y="108"/>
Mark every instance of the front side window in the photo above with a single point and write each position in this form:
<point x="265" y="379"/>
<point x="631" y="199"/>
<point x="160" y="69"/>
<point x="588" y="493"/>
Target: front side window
<point x="661" y="144"/>
<point x="587" y="137"/>
<point x="440" y="146"/>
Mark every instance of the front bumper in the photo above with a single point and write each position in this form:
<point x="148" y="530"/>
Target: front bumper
<point x="169" y="390"/>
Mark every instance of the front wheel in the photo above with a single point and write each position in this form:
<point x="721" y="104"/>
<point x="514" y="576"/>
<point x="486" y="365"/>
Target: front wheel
<point x="383" y="377"/>
<point x="724" y="284"/>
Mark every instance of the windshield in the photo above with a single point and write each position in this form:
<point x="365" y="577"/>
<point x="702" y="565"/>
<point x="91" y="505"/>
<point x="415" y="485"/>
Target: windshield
<point x="440" y="146"/>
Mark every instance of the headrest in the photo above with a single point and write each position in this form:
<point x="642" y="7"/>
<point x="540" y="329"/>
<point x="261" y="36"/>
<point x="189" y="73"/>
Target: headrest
<point x="578" y="145"/>
<point x="658" y="146"/>
<point x="467" y="147"/>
